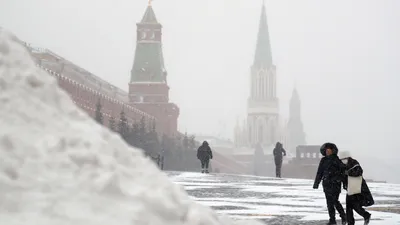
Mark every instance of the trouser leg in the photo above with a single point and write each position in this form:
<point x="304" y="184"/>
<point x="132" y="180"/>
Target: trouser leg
<point x="349" y="211"/>
<point x="207" y="163"/>
<point x="278" y="166"/>
<point x="330" y="203"/>
<point x="360" y="210"/>
<point x="339" y="206"/>
<point x="202" y="165"/>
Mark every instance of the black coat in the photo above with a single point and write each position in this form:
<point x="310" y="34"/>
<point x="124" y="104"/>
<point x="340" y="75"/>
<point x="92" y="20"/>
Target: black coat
<point x="331" y="172"/>
<point x="279" y="152"/>
<point x="204" y="152"/>
<point x="354" y="169"/>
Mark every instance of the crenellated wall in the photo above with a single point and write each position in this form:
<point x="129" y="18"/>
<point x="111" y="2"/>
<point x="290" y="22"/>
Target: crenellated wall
<point x="87" y="98"/>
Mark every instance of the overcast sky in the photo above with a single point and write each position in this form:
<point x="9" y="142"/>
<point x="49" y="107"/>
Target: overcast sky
<point x="343" y="54"/>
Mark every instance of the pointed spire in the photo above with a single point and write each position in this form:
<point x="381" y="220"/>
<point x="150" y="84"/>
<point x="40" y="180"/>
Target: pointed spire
<point x="263" y="56"/>
<point x="295" y="96"/>
<point x="149" y="16"/>
<point x="295" y="104"/>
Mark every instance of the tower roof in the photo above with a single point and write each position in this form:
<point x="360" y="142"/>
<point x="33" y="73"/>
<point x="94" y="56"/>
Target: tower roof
<point x="149" y="16"/>
<point x="148" y="64"/>
<point x="295" y="95"/>
<point x="263" y="56"/>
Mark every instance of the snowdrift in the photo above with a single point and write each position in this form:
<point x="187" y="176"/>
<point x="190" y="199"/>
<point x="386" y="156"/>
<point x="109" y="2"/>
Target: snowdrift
<point x="58" y="166"/>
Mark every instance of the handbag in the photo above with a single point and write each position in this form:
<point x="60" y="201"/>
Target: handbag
<point x="354" y="185"/>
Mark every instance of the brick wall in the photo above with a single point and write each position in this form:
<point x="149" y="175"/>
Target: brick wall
<point x="87" y="98"/>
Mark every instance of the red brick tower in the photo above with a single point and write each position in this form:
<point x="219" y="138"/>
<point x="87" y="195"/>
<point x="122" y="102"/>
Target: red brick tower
<point x="148" y="87"/>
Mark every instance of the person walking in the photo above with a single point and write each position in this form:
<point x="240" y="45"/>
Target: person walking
<point x="358" y="193"/>
<point x="279" y="152"/>
<point x="331" y="173"/>
<point x="204" y="154"/>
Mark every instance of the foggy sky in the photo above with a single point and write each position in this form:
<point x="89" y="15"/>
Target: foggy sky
<point x="344" y="56"/>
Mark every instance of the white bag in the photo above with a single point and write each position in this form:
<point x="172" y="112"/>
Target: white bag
<point x="354" y="185"/>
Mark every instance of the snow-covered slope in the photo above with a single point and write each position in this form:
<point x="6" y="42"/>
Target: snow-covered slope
<point x="59" y="167"/>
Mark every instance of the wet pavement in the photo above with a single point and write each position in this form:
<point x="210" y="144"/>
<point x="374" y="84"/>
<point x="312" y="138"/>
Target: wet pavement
<point x="275" y="201"/>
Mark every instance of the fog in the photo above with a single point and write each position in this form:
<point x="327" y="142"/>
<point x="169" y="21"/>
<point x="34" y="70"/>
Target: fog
<point x="342" y="55"/>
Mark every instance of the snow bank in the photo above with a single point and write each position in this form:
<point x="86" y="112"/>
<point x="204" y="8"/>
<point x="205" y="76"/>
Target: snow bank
<point x="60" y="167"/>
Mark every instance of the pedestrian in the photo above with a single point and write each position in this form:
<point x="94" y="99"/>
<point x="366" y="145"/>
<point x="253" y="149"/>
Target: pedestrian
<point x="162" y="154"/>
<point x="204" y="154"/>
<point x="279" y="152"/>
<point x="358" y="193"/>
<point x="331" y="173"/>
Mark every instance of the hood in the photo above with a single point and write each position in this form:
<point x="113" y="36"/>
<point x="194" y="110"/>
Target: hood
<point x="331" y="146"/>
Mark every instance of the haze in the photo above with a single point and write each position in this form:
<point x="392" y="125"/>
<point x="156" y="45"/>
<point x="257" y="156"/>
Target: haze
<point x="342" y="55"/>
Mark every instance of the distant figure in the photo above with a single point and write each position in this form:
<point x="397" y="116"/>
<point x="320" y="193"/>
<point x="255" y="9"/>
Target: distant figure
<point x="331" y="173"/>
<point x="258" y="159"/>
<point x="358" y="193"/>
<point x="279" y="152"/>
<point x="162" y="159"/>
<point x="204" y="154"/>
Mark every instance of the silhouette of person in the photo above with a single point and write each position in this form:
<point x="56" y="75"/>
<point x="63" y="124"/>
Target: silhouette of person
<point x="279" y="152"/>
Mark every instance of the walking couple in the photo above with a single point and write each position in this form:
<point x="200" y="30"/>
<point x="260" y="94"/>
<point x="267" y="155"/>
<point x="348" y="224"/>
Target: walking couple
<point x="333" y="171"/>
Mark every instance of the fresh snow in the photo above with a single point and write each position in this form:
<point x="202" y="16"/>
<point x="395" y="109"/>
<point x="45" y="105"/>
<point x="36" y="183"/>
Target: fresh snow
<point x="266" y="198"/>
<point x="58" y="166"/>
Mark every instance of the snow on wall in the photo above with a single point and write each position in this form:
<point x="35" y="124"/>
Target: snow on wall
<point x="60" y="167"/>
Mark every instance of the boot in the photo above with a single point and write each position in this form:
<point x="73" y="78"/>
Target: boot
<point x="344" y="221"/>
<point x="366" y="220"/>
<point x="202" y="170"/>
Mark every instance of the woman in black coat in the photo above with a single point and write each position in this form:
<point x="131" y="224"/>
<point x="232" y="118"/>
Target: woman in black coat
<point x="358" y="200"/>
<point x="331" y="173"/>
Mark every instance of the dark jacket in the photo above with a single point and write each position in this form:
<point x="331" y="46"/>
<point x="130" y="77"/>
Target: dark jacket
<point x="331" y="172"/>
<point x="279" y="152"/>
<point x="204" y="152"/>
<point x="354" y="169"/>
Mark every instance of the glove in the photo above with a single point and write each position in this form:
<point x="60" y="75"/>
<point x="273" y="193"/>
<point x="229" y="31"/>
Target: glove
<point x="315" y="186"/>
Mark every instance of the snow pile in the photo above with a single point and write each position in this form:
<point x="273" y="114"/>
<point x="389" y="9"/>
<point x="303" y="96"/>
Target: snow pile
<point x="60" y="167"/>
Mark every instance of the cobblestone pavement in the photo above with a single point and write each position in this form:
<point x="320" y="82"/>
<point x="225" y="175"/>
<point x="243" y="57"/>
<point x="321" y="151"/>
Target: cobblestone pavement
<point x="277" y="201"/>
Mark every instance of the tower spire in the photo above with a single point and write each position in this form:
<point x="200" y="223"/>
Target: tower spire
<point x="148" y="65"/>
<point x="263" y="56"/>
<point x="149" y="16"/>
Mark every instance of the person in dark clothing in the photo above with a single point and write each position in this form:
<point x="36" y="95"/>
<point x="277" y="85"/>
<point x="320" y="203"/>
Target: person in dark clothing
<point x="356" y="201"/>
<point x="204" y="154"/>
<point x="331" y="173"/>
<point x="279" y="152"/>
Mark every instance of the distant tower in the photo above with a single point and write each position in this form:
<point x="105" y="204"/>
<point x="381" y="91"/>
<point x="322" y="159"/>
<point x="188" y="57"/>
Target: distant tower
<point x="295" y="130"/>
<point x="148" y="88"/>
<point x="263" y="105"/>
